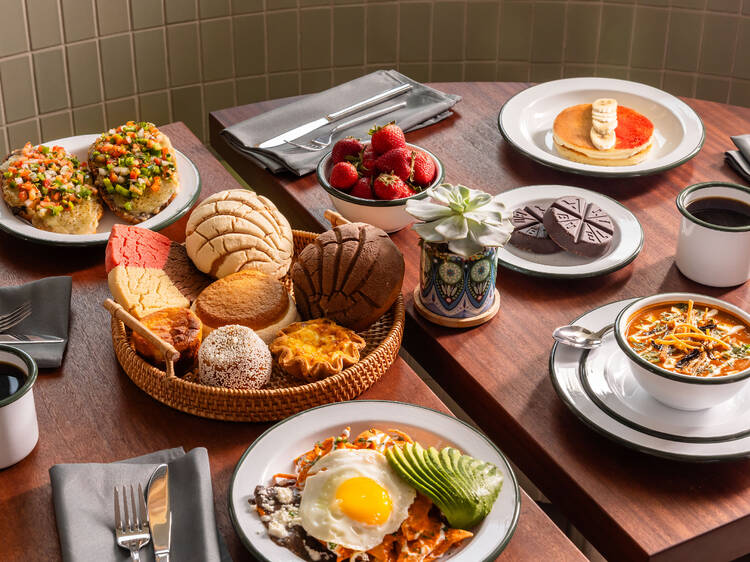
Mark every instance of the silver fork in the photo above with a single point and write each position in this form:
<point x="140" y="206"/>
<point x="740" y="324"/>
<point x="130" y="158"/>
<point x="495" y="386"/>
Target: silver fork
<point x="132" y="534"/>
<point x="15" y="316"/>
<point x="323" y="141"/>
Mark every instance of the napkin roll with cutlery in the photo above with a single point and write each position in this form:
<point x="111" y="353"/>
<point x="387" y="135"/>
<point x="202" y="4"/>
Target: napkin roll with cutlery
<point x="739" y="160"/>
<point x="82" y="495"/>
<point x="424" y="106"/>
<point x="43" y="334"/>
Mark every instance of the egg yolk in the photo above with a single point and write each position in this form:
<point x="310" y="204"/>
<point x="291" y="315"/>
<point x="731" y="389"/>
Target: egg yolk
<point x="364" y="500"/>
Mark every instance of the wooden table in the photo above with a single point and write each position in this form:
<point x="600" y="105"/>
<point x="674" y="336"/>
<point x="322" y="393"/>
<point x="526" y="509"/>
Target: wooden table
<point x="89" y="411"/>
<point x="629" y="505"/>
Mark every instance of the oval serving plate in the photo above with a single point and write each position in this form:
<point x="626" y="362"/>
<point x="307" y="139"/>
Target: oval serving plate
<point x="626" y="244"/>
<point x="526" y="119"/>
<point x="190" y="188"/>
<point x="599" y="389"/>
<point x="273" y="452"/>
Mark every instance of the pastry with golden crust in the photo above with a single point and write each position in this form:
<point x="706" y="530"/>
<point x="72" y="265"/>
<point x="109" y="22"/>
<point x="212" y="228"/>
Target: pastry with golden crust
<point x="177" y="326"/>
<point x="316" y="349"/>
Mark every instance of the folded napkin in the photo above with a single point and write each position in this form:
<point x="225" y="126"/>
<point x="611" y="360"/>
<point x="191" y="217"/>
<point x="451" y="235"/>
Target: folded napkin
<point x="425" y="106"/>
<point x="50" y="310"/>
<point x="739" y="160"/>
<point x="84" y="507"/>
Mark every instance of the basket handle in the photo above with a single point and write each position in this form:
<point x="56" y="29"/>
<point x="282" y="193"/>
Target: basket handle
<point x="167" y="350"/>
<point x="335" y="218"/>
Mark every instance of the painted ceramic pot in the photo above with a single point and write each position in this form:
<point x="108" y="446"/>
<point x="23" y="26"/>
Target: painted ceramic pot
<point x="457" y="287"/>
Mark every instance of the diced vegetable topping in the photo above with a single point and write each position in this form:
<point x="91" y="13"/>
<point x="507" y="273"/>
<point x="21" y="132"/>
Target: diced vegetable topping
<point x="130" y="159"/>
<point x="48" y="180"/>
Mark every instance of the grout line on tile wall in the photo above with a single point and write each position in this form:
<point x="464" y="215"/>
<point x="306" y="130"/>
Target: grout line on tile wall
<point x="134" y="74"/>
<point x="97" y="39"/>
<point x="66" y="69"/>
<point x="632" y="37"/>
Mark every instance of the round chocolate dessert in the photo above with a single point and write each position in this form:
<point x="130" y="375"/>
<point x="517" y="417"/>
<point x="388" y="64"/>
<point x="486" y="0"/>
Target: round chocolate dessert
<point x="579" y="227"/>
<point x="529" y="232"/>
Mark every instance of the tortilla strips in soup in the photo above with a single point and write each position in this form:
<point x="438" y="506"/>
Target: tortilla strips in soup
<point x="690" y="339"/>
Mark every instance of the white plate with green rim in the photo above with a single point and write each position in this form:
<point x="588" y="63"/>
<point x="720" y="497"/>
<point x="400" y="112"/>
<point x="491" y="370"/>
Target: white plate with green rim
<point x="526" y="119"/>
<point x="598" y="386"/>
<point x="190" y="188"/>
<point x="273" y="452"/>
<point x="625" y="246"/>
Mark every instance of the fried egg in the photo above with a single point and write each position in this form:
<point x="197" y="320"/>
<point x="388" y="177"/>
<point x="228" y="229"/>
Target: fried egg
<point x="354" y="499"/>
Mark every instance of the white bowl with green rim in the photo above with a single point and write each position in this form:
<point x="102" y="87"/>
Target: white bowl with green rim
<point x="389" y="215"/>
<point x="684" y="392"/>
<point x="19" y="431"/>
<point x="711" y="254"/>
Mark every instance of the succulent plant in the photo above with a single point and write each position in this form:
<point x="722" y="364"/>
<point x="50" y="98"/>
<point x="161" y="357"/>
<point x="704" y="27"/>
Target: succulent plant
<point x="468" y="220"/>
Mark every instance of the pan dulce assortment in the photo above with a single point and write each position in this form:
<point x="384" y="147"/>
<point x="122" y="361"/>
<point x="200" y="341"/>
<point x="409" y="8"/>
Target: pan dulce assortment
<point x="222" y="298"/>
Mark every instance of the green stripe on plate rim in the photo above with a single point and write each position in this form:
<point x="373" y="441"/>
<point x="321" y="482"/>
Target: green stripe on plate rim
<point x="489" y="558"/>
<point x="595" y="173"/>
<point x="30" y="376"/>
<point x="613" y="436"/>
<point x="158" y="226"/>
<point x="596" y="273"/>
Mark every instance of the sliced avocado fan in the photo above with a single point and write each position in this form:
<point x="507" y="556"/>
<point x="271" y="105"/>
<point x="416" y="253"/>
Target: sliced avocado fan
<point x="463" y="488"/>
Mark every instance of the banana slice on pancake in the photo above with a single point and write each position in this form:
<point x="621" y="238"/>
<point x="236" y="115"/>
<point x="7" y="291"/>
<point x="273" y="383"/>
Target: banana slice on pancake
<point x="603" y="123"/>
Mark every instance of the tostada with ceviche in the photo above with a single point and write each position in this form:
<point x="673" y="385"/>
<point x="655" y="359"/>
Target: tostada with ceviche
<point x="378" y="496"/>
<point x="51" y="189"/>
<point x="135" y="169"/>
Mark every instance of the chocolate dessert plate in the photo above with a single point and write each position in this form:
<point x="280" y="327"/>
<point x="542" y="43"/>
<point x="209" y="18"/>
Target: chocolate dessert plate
<point x="274" y="451"/>
<point x="599" y="387"/>
<point x="526" y="119"/>
<point x="624" y="246"/>
<point x="190" y="188"/>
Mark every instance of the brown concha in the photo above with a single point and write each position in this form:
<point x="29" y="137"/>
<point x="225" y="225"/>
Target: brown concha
<point x="351" y="274"/>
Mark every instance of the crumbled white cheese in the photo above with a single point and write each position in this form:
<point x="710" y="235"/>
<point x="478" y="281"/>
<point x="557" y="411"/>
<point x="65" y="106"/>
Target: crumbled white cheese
<point x="281" y="521"/>
<point x="313" y="554"/>
<point x="284" y="495"/>
<point x="276" y="529"/>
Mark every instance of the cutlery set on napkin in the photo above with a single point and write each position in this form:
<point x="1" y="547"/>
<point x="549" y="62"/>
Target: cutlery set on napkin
<point x="272" y="139"/>
<point x="180" y="524"/>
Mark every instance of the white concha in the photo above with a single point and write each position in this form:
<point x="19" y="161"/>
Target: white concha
<point x="238" y="229"/>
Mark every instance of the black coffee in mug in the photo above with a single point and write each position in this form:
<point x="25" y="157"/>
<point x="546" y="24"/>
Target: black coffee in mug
<point x="12" y="378"/>
<point x="721" y="211"/>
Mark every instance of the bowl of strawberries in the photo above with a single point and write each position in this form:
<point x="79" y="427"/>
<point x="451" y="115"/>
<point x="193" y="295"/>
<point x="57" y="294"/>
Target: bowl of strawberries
<point x="371" y="181"/>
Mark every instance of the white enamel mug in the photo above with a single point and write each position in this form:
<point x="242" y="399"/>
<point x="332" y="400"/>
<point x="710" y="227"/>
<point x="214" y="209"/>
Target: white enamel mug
<point x="718" y="256"/>
<point x="19" y="431"/>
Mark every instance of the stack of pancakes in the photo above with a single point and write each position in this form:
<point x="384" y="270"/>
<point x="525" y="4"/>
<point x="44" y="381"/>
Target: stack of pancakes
<point x="572" y="136"/>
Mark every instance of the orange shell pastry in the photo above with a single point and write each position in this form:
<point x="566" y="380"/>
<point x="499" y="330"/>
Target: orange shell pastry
<point x="316" y="349"/>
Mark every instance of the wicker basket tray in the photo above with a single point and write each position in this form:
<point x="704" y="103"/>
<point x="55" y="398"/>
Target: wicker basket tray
<point x="283" y="396"/>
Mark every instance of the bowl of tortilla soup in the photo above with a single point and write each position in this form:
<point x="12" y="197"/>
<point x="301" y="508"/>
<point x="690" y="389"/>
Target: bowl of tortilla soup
<point x="687" y="350"/>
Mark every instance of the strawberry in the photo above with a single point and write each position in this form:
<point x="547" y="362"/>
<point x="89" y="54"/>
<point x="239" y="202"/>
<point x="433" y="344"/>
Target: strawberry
<point x="343" y="175"/>
<point x="367" y="166"/>
<point x="362" y="189"/>
<point x="345" y="148"/>
<point x="387" y="138"/>
<point x="423" y="170"/>
<point x="396" y="161"/>
<point x="388" y="186"/>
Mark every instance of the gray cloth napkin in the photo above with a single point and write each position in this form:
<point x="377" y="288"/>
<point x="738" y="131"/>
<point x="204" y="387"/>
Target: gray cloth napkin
<point x="50" y="310"/>
<point x="425" y="106"/>
<point x="84" y="507"/>
<point x="739" y="160"/>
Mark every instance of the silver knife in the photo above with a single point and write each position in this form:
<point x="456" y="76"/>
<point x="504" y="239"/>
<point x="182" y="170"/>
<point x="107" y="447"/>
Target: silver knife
<point x="28" y="338"/>
<point x="335" y="116"/>
<point x="159" y="512"/>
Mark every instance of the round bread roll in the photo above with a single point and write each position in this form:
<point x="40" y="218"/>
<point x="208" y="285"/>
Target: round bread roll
<point x="249" y="298"/>
<point x="237" y="229"/>
<point x="234" y="357"/>
<point x="351" y="274"/>
<point x="177" y="326"/>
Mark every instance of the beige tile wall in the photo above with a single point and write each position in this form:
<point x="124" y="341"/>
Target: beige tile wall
<point x="78" y="66"/>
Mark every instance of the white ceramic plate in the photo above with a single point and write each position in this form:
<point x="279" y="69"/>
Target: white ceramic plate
<point x="526" y="120"/>
<point x="190" y="188"/>
<point x="273" y="452"/>
<point x="625" y="246"/>
<point x="598" y="386"/>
